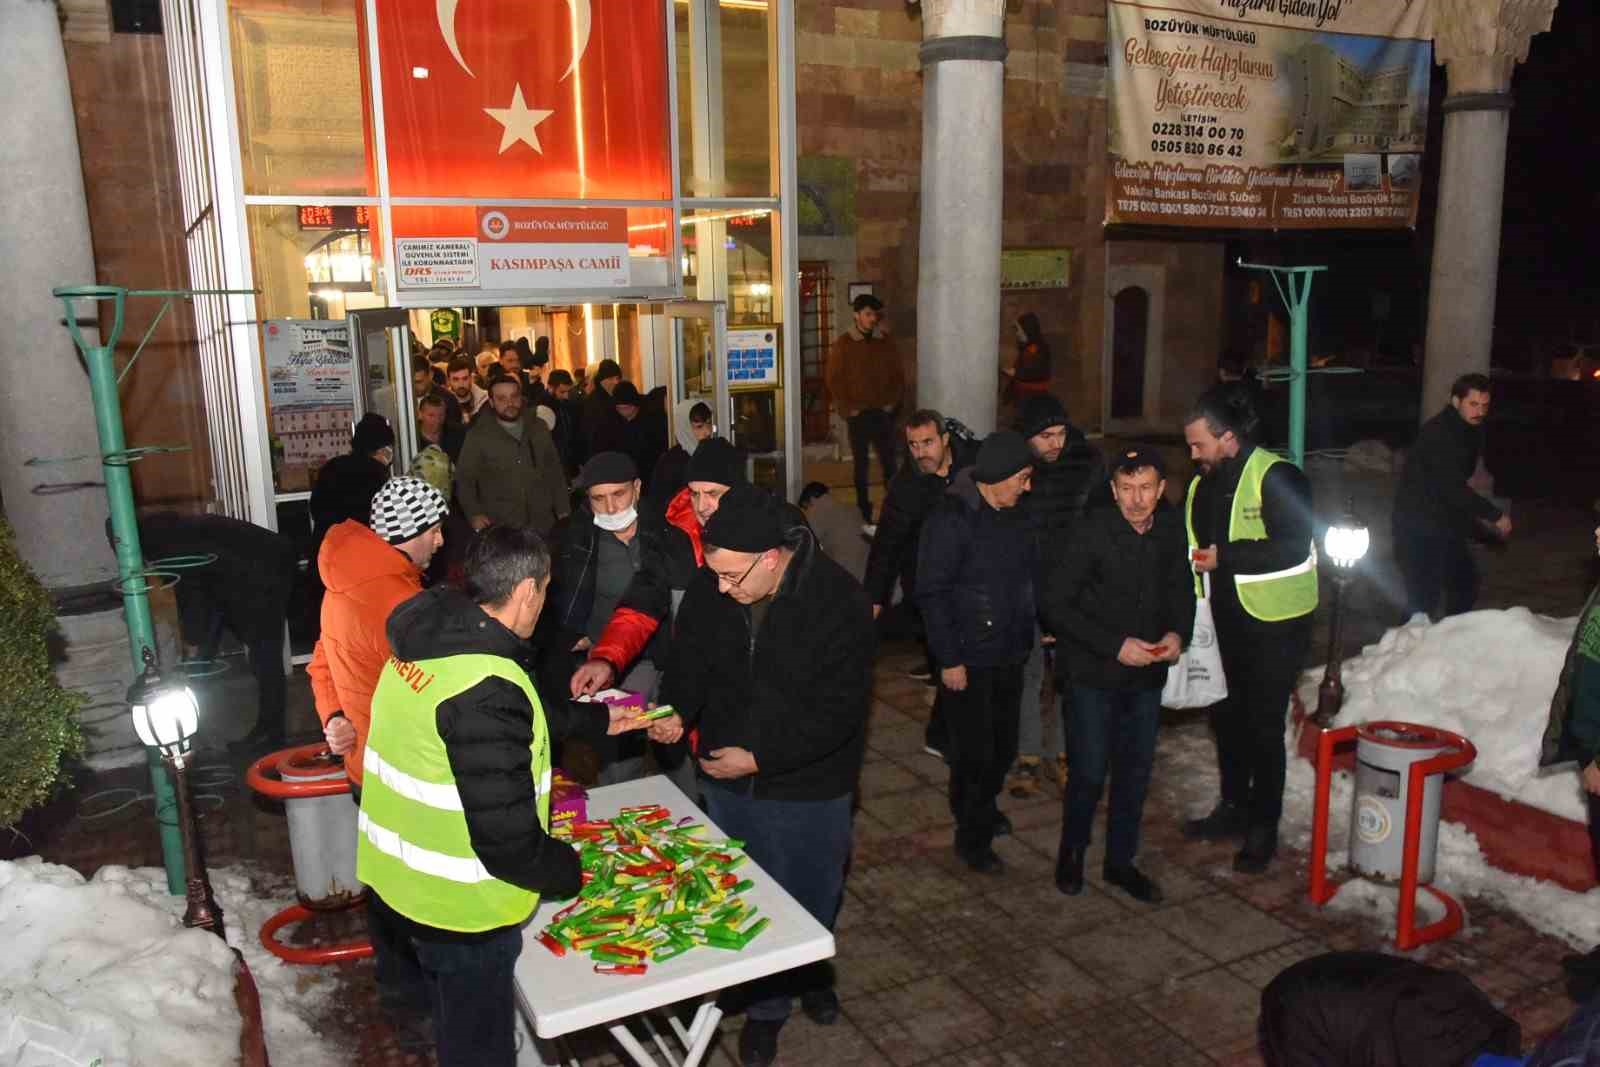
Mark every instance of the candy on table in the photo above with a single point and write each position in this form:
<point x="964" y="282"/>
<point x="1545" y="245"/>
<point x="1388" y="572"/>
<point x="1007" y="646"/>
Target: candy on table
<point x="652" y="890"/>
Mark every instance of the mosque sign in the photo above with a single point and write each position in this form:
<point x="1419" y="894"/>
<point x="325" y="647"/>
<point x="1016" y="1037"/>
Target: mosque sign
<point x="1267" y="114"/>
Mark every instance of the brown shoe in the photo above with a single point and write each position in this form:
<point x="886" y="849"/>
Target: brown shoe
<point x="1025" y="777"/>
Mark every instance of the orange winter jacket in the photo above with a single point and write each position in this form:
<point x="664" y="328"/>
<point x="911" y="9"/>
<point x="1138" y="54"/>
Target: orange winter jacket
<point x="367" y="578"/>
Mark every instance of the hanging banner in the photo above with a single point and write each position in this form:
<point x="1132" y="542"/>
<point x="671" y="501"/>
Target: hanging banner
<point x="522" y="249"/>
<point x="1267" y="114"/>
<point x="523" y="99"/>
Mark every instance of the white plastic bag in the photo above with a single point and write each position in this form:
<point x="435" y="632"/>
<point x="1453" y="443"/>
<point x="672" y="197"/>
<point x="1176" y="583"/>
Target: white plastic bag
<point x="1196" y="680"/>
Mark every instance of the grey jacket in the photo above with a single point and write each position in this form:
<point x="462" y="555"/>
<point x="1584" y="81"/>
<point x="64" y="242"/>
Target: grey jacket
<point x="518" y="483"/>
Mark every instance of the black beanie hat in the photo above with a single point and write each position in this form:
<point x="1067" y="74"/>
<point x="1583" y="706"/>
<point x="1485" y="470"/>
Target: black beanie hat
<point x="1002" y="454"/>
<point x="627" y="393"/>
<point x="606" y="369"/>
<point x="1040" y="412"/>
<point x="371" y="434"/>
<point x="608" y="468"/>
<point x="715" y="460"/>
<point x="747" y="520"/>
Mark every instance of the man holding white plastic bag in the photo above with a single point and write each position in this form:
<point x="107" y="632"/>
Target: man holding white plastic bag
<point x="1250" y="528"/>
<point x="1121" y="604"/>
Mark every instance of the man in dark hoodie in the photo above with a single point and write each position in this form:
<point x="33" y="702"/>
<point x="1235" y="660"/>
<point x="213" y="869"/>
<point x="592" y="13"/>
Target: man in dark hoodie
<point x="455" y="809"/>
<point x="1436" y="512"/>
<point x="975" y="586"/>
<point x="1069" y="478"/>
<point x="772" y="661"/>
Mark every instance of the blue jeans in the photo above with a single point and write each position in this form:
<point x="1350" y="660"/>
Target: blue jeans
<point x="804" y="845"/>
<point x="470" y="987"/>
<point x="1112" y="730"/>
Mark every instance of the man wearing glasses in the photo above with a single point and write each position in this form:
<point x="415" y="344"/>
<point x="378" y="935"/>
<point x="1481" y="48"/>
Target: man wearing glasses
<point x="772" y="661"/>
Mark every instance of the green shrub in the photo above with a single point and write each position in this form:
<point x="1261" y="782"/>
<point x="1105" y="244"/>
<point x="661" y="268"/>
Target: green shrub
<point x="38" y="718"/>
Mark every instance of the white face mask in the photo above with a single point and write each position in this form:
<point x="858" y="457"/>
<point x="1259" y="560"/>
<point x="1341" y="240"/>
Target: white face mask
<point x="617" y="521"/>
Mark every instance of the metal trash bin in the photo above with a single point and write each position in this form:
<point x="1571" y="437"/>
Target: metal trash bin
<point x="322" y="832"/>
<point x="1386" y="752"/>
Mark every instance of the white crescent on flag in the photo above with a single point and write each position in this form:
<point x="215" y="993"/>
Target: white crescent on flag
<point x="582" y="22"/>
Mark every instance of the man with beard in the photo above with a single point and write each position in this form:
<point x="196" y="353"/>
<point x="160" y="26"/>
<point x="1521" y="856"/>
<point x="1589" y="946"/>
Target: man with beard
<point x="469" y="396"/>
<point x="1250" y="527"/>
<point x="510" y="472"/>
<point x="1436" y="512"/>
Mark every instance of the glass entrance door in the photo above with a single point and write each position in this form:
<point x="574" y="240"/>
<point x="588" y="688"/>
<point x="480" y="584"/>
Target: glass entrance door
<point x="380" y="343"/>
<point x="699" y="358"/>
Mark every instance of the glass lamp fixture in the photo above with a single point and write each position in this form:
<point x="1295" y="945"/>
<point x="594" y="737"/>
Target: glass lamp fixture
<point x="1346" y="544"/>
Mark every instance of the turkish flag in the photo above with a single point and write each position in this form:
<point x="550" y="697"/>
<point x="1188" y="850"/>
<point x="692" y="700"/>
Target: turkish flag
<point x="500" y="99"/>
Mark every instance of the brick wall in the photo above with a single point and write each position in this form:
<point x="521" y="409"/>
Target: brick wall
<point x="860" y="98"/>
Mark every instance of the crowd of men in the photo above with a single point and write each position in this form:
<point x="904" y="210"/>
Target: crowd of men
<point x="587" y="554"/>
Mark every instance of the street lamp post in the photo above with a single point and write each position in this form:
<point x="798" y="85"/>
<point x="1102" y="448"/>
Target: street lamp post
<point x="1346" y="544"/>
<point x="166" y="716"/>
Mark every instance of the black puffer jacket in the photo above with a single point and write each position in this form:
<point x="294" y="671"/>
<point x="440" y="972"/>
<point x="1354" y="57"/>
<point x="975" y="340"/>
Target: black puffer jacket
<point x="487" y="731"/>
<point x="1063" y="492"/>
<point x="796" y="693"/>
<point x="1433" y="498"/>
<point x="911" y="496"/>
<point x="975" y="581"/>
<point x="251" y="580"/>
<point x="1111" y="583"/>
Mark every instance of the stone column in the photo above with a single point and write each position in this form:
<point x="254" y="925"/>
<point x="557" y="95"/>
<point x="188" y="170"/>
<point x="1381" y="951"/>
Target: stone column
<point x="1480" y="42"/>
<point x="45" y="411"/>
<point x="958" y="287"/>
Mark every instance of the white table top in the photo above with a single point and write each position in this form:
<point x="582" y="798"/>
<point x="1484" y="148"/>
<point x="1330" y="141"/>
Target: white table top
<point x="562" y="994"/>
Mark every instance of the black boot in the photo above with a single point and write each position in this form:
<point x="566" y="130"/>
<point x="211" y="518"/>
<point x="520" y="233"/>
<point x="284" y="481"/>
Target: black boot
<point x="1069" y="871"/>
<point x="1134" y="882"/>
<point x="1260" y="846"/>
<point x="1225" y="821"/>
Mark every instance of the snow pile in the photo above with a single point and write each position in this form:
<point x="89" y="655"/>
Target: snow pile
<point x="102" y="970"/>
<point x="1487" y="675"/>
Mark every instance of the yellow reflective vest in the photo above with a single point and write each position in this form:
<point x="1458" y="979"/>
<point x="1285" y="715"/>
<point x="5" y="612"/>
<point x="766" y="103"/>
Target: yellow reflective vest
<point x="1273" y="597"/>
<point x="414" y="849"/>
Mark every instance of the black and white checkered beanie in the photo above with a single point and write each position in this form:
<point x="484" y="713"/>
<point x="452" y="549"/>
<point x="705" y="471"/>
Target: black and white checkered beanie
<point x="404" y="508"/>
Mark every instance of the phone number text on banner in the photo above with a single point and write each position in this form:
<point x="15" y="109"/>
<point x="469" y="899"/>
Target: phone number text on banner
<point x="1267" y="114"/>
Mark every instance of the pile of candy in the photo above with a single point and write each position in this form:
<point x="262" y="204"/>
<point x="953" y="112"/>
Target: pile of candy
<point x="652" y="890"/>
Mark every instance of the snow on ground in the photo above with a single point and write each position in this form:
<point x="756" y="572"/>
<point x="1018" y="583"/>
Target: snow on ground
<point x="1487" y="675"/>
<point x="101" y="970"/>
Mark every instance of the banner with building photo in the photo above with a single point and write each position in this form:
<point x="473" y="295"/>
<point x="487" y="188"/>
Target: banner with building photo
<point x="1267" y="114"/>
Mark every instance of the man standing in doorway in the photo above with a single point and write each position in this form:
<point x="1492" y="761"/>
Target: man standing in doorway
<point x="937" y="456"/>
<point x="1250" y="528"/>
<point x="975" y="586"/>
<point x="510" y="472"/>
<point x="458" y="378"/>
<point x="772" y="661"/>
<point x="1436" y="512"/>
<point x="866" y="382"/>
<point x="1121" y="601"/>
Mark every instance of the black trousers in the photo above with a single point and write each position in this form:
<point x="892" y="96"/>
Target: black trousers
<point x="1436" y="568"/>
<point x="874" y="427"/>
<point x="1261" y="662"/>
<point x="981" y="721"/>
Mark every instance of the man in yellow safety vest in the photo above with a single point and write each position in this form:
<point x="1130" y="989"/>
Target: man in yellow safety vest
<point x="1249" y="520"/>
<point x="455" y="801"/>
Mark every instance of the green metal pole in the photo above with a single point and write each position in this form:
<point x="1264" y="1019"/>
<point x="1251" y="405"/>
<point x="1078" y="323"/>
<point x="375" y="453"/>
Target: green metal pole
<point x="125" y="532"/>
<point x="1299" y="315"/>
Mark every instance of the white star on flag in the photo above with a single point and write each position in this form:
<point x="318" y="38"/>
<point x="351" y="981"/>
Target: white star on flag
<point x="520" y="122"/>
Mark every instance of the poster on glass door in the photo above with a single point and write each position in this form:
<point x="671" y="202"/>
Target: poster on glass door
<point x="752" y="357"/>
<point x="310" y="394"/>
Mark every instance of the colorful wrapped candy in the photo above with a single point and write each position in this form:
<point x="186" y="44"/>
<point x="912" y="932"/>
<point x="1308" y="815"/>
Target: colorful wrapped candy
<point x="652" y="891"/>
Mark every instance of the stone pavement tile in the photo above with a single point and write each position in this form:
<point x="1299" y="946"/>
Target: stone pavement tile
<point x="967" y="932"/>
<point x="918" y="711"/>
<point x="887" y="777"/>
<point x="1054" y="916"/>
<point x="1135" y="1038"/>
<point x="872" y="959"/>
<point x="907" y="812"/>
<point x="908" y="886"/>
<point x="1223" y="927"/>
<point x="933" y="771"/>
<point x="1263" y="967"/>
<point x="886" y="713"/>
<point x="896" y="739"/>
<point x="802" y="1043"/>
<point x="1035" y="987"/>
<point x="1541" y="1012"/>
<point x="1213" y="1011"/>
<point x="926" y="1019"/>
<point x="1132" y="955"/>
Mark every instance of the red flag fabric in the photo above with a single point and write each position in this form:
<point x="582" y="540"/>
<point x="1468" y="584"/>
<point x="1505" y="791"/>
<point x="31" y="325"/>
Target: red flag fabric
<point x="502" y="99"/>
